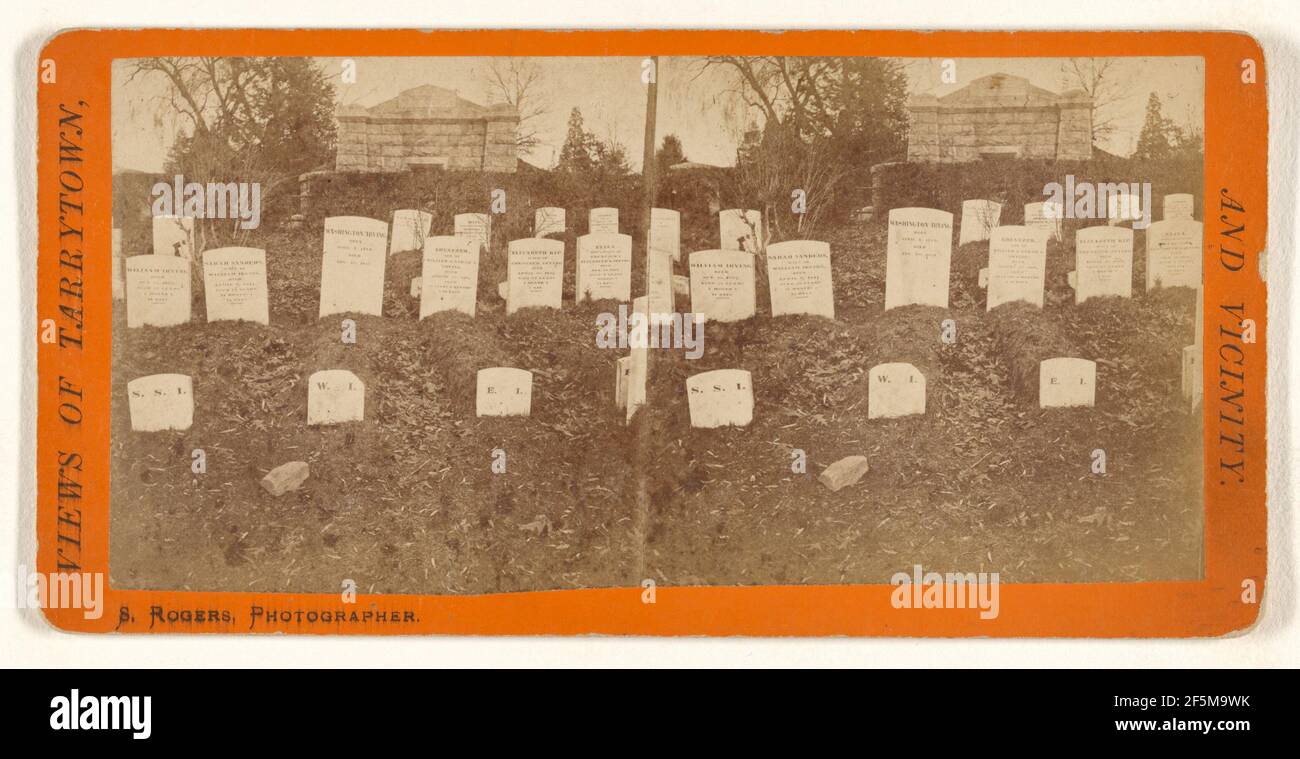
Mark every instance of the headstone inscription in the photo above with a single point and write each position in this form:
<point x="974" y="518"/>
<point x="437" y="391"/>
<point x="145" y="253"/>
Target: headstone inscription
<point x="895" y="389"/>
<point x="449" y="276"/>
<point x="352" y="266"/>
<point x="1067" y="382"/>
<point x="604" y="267"/>
<point x="157" y="291"/>
<point x="335" y="396"/>
<point x="1174" y="254"/>
<point x="918" y="256"/>
<point x="161" y="402"/>
<point x="535" y="273"/>
<point x="799" y="278"/>
<point x="722" y="285"/>
<point x="1017" y="266"/>
<point x="1103" y="262"/>
<point x="234" y="284"/>
<point x="720" y="398"/>
<point x="504" y="391"/>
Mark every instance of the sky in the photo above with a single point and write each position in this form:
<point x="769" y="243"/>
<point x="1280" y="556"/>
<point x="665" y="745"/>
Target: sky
<point x="612" y="98"/>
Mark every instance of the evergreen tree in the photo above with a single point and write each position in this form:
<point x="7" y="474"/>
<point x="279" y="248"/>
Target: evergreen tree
<point x="575" y="154"/>
<point x="1158" y="134"/>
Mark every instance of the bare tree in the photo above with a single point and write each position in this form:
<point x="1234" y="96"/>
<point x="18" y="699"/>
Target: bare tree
<point x="517" y="82"/>
<point x="1105" y="83"/>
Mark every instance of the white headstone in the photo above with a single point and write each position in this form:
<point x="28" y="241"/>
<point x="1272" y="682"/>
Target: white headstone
<point x="639" y="359"/>
<point x="352" y="267"/>
<point x="721" y="398"/>
<point x="157" y="291"/>
<point x="918" y="255"/>
<point x="1067" y="382"/>
<point x="173" y="236"/>
<point x="535" y="273"/>
<point x="1103" y="259"/>
<point x="604" y="267"/>
<point x="1121" y="207"/>
<point x="1017" y="266"/>
<point x="548" y="221"/>
<point x="978" y="220"/>
<point x="622" y="380"/>
<point x="415" y="287"/>
<point x="740" y="229"/>
<point x="335" y="396"/>
<point x="799" y="278"/>
<point x="722" y="285"/>
<point x="410" y="230"/>
<point x="1180" y="205"/>
<point x="1046" y="217"/>
<point x="234" y="284"/>
<point x="1174" y="254"/>
<point x="896" y="389"/>
<point x="659" y="285"/>
<point x="666" y="232"/>
<point x="449" y="275"/>
<point x="161" y="401"/>
<point x="503" y="391"/>
<point x="1192" y="383"/>
<point x="119" y="268"/>
<point x="476" y="225"/>
<point x="602" y="221"/>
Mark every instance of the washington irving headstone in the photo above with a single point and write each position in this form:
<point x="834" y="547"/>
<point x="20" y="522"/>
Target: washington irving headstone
<point x="918" y="255"/>
<point x="352" y="266"/>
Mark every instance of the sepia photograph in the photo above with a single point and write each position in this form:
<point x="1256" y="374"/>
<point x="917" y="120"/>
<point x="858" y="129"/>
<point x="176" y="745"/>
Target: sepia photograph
<point x="484" y="325"/>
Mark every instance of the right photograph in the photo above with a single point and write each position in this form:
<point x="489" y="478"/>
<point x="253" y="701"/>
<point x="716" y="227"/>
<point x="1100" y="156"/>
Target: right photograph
<point x="1006" y="378"/>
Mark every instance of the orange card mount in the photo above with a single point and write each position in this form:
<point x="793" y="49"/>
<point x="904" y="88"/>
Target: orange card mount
<point x="651" y="333"/>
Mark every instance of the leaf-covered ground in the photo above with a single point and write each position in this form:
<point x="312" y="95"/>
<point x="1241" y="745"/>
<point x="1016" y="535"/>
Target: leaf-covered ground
<point x="406" y="501"/>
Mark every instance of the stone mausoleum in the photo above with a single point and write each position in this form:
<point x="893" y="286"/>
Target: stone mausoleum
<point x="1000" y="116"/>
<point x="427" y="127"/>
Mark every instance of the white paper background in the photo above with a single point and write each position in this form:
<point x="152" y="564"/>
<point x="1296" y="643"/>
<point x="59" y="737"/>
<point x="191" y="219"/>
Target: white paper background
<point x="25" y="640"/>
